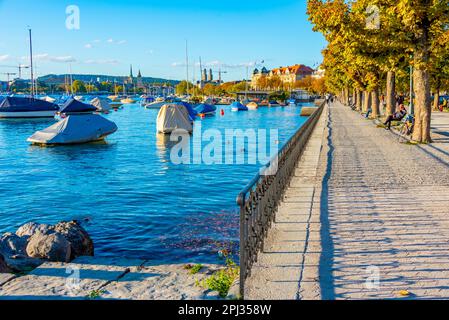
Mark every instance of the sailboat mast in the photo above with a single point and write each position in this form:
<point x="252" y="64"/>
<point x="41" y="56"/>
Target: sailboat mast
<point x="31" y="64"/>
<point x="71" y="79"/>
<point x="187" y="66"/>
<point x="246" y="82"/>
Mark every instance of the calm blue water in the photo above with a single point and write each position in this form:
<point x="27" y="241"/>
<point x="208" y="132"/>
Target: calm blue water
<point x="132" y="200"/>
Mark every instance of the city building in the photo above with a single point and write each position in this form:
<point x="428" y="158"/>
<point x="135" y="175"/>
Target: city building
<point x="139" y="81"/>
<point x="130" y="79"/>
<point x="288" y="75"/>
<point x="319" y="73"/>
<point x="208" y="77"/>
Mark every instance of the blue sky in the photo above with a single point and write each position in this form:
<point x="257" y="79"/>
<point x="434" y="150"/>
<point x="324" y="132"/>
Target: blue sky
<point x="151" y="35"/>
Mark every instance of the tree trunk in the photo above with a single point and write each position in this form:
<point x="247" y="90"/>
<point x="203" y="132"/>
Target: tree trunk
<point x="359" y="100"/>
<point x="375" y="103"/>
<point x="390" y="98"/>
<point x="436" y="100"/>
<point x="347" y="96"/>
<point x="366" y="101"/>
<point x="354" y="96"/>
<point x="423" y="111"/>
<point x="421" y="132"/>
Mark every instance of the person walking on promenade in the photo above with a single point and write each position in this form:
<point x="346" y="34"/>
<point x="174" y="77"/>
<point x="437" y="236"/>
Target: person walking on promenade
<point x="398" y="116"/>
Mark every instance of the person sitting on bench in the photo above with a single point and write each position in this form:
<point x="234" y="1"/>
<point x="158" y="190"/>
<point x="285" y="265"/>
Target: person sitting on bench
<point x="398" y="116"/>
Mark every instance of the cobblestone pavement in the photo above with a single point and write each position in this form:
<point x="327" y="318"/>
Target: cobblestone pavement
<point x="378" y="222"/>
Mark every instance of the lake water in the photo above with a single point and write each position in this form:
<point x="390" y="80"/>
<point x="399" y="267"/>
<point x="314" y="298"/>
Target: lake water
<point x="130" y="197"/>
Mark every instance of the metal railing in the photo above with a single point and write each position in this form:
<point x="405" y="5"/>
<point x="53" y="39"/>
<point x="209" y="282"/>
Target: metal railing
<point x="260" y="199"/>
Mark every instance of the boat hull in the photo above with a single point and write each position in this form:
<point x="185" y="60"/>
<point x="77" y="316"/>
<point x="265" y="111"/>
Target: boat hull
<point x="128" y="101"/>
<point x="155" y="105"/>
<point x="44" y="143"/>
<point x="252" y="106"/>
<point x="28" y="114"/>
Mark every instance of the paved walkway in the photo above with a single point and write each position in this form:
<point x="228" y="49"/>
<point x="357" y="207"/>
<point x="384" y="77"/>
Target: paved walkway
<point x="279" y="269"/>
<point x="378" y="222"/>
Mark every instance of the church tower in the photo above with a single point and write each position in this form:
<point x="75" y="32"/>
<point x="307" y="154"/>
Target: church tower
<point x="131" y="76"/>
<point x="140" y="80"/>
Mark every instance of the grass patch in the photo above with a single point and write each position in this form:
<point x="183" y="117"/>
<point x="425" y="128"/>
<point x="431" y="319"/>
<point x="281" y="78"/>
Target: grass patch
<point x="221" y="281"/>
<point x="193" y="269"/>
<point x="95" y="294"/>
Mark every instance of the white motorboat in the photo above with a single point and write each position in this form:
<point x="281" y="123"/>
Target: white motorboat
<point x="75" y="129"/>
<point x="19" y="107"/>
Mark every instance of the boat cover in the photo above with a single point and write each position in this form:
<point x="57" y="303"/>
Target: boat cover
<point x="238" y="106"/>
<point x="49" y="99"/>
<point x="24" y="104"/>
<point x="74" y="106"/>
<point x="173" y="117"/>
<point x="148" y="100"/>
<point x="75" y="129"/>
<point x="192" y="112"/>
<point x="205" y="108"/>
<point x="102" y="105"/>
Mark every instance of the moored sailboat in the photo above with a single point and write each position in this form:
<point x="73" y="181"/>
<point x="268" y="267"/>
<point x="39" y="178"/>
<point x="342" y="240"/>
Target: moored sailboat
<point x="27" y="107"/>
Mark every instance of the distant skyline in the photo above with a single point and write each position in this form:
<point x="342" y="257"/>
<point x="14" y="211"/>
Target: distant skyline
<point x="151" y="35"/>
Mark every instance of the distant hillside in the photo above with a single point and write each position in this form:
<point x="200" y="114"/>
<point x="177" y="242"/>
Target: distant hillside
<point x="59" y="79"/>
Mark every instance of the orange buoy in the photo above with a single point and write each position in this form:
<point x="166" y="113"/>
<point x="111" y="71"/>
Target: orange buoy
<point x="202" y="115"/>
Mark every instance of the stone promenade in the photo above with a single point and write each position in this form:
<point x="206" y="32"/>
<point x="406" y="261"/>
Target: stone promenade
<point x="369" y="221"/>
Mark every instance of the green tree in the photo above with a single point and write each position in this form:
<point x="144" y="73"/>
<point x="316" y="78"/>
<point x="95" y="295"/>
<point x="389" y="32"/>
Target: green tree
<point x="422" y="23"/>
<point x="181" y="88"/>
<point x="78" y="86"/>
<point x="209" y="89"/>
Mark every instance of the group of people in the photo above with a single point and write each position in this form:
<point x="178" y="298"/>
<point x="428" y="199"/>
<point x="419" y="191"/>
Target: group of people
<point x="444" y="105"/>
<point x="329" y="98"/>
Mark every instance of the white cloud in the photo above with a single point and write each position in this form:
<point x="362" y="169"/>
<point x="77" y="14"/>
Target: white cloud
<point x="4" y="57"/>
<point x="178" y="64"/>
<point x="118" y="42"/>
<point x="45" y="57"/>
<point x="217" y="64"/>
<point x="102" y="61"/>
<point x="88" y="46"/>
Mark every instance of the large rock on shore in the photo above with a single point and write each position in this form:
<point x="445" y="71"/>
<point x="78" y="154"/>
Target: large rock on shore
<point x="53" y="247"/>
<point x="31" y="228"/>
<point x="3" y="266"/>
<point x="80" y="242"/>
<point x="11" y="244"/>
<point x="35" y="243"/>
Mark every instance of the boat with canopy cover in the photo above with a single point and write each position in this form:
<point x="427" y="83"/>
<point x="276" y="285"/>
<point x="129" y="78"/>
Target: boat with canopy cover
<point x="73" y="106"/>
<point x="75" y="129"/>
<point x="174" y="117"/>
<point x="101" y="104"/>
<point x="237" y="106"/>
<point x="206" y="109"/>
<point x="192" y="112"/>
<point x="26" y="107"/>
<point x="252" y="105"/>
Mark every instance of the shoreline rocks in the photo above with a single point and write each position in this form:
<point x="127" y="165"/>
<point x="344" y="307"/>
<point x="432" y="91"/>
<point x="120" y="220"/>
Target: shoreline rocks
<point x="34" y="244"/>
<point x="52" y="247"/>
<point x="3" y="266"/>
